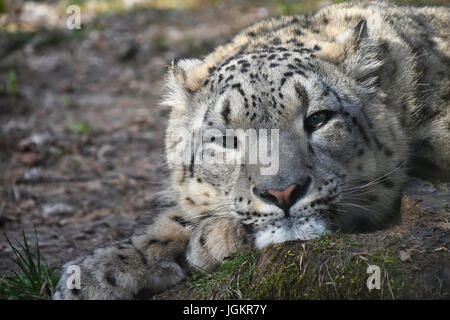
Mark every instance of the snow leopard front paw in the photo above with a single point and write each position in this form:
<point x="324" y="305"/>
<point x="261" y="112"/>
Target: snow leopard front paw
<point x="120" y="271"/>
<point x="214" y="241"/>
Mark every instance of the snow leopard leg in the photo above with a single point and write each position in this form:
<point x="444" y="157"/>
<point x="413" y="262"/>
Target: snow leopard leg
<point x="147" y="263"/>
<point x="214" y="241"/>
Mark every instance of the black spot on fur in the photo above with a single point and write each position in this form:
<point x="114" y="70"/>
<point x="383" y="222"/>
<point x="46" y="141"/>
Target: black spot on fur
<point x="180" y="221"/>
<point x="109" y="277"/>
<point x="142" y="256"/>
<point x="191" y="166"/>
<point x="276" y="41"/>
<point x="302" y="94"/>
<point x="311" y="150"/>
<point x="226" y="111"/>
<point x="248" y="228"/>
<point x="361" y="130"/>
<point x="229" y="78"/>
<point x="388" y="152"/>
<point x="377" y="143"/>
<point x="202" y="241"/>
<point x="75" y="291"/>
<point x="122" y="257"/>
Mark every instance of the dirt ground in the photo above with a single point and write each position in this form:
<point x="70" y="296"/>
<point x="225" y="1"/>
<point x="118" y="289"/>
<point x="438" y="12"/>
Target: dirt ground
<point x="81" y="140"/>
<point x="81" y="134"/>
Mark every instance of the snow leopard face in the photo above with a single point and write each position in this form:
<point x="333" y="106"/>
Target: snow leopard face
<point x="337" y="150"/>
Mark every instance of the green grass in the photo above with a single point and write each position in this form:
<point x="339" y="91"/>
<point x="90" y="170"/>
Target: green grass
<point x="80" y="127"/>
<point x="2" y="6"/>
<point x="11" y="84"/>
<point x="32" y="279"/>
<point x="292" y="7"/>
<point x="288" y="7"/>
<point x="228" y="281"/>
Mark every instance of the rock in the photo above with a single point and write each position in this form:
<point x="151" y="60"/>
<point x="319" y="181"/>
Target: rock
<point x="60" y="208"/>
<point x="33" y="175"/>
<point x="36" y="139"/>
<point x="430" y="197"/>
<point x="404" y="255"/>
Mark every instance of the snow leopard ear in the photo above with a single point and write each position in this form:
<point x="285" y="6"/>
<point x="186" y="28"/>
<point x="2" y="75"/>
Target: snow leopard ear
<point x="352" y="37"/>
<point x="345" y="43"/>
<point x="364" y="59"/>
<point x="189" y="73"/>
<point x="357" y="52"/>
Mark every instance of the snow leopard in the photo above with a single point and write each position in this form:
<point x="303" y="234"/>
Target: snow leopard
<point x="358" y="94"/>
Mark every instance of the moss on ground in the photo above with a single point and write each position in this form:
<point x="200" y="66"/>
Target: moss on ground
<point x="227" y="281"/>
<point x="330" y="267"/>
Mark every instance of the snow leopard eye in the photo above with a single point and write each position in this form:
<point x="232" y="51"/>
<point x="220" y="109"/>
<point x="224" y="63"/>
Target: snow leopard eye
<point x="227" y="142"/>
<point x="317" y="120"/>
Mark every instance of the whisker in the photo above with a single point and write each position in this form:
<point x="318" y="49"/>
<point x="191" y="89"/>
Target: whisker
<point x="353" y="205"/>
<point x="377" y="180"/>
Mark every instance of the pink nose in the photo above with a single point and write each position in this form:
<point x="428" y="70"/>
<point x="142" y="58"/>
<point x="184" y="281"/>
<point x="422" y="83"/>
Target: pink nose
<point x="283" y="196"/>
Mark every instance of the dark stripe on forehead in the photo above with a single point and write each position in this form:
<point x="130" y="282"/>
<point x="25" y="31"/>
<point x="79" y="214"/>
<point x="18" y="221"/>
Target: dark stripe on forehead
<point x="311" y="150"/>
<point x="337" y="96"/>
<point x="345" y="116"/>
<point x="226" y="111"/>
<point x="191" y="166"/>
<point x="327" y="90"/>
<point x="206" y="116"/>
<point x="237" y="86"/>
<point x="302" y="95"/>
<point x="366" y="117"/>
<point x="180" y="221"/>
<point x="377" y="142"/>
<point x="361" y="130"/>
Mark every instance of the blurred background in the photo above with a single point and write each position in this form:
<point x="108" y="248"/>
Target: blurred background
<point x="81" y="136"/>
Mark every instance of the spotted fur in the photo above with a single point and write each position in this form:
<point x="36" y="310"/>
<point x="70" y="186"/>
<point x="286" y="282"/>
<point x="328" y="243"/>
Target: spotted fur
<point x="380" y="72"/>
